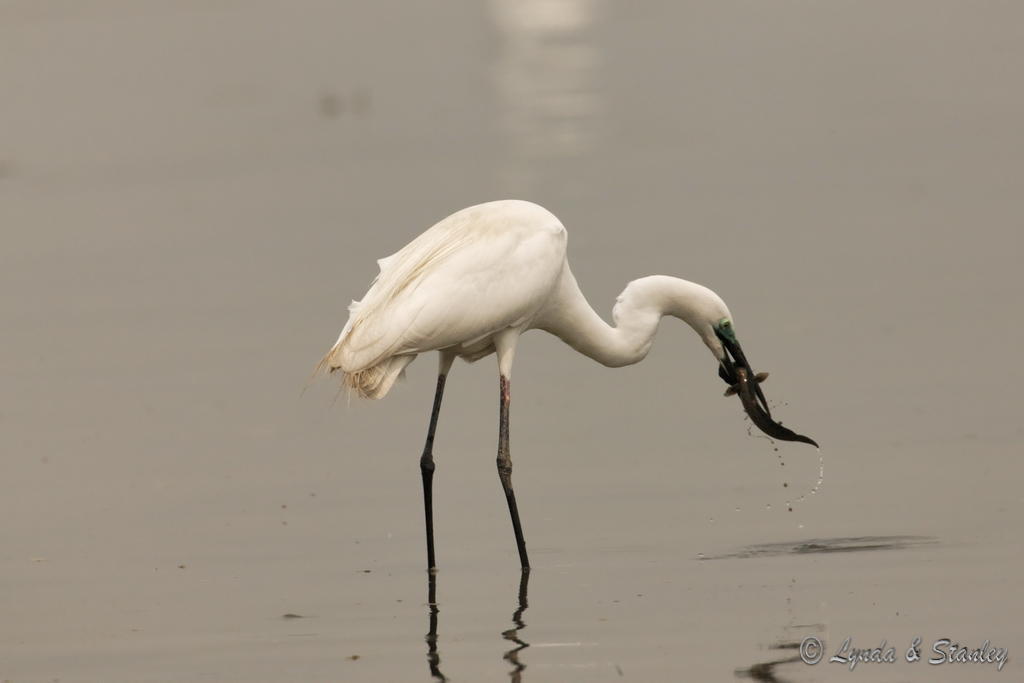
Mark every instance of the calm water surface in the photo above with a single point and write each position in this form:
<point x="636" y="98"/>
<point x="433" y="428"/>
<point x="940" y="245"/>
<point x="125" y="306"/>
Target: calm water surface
<point x="192" y="192"/>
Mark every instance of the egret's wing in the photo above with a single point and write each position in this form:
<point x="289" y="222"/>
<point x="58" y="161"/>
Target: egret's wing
<point x="476" y="272"/>
<point x="500" y="282"/>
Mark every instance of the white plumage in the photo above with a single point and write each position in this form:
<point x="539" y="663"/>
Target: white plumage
<point x="479" y="271"/>
<point x="498" y="269"/>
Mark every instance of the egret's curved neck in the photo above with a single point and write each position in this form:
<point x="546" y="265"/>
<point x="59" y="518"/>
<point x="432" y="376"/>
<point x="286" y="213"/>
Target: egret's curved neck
<point x="637" y="312"/>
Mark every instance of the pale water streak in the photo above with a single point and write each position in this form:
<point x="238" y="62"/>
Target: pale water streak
<point x="546" y="77"/>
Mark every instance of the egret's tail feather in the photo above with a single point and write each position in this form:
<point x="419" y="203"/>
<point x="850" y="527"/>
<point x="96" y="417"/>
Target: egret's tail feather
<point x="375" y="381"/>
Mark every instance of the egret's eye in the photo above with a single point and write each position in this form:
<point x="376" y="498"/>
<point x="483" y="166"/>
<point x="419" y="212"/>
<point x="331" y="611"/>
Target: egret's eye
<point x="725" y="329"/>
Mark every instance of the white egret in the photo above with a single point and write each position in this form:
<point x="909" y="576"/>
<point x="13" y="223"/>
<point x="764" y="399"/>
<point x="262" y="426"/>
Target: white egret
<point x="474" y="282"/>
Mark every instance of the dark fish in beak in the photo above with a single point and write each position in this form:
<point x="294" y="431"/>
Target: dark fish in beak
<point x="734" y="359"/>
<point x="749" y="395"/>
<point x="734" y="389"/>
<point x="735" y="369"/>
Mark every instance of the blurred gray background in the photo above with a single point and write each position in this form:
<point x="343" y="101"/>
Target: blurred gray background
<point x="191" y="192"/>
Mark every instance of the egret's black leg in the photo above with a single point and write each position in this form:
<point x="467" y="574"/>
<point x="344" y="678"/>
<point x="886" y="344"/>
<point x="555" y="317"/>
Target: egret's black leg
<point x="427" y="470"/>
<point x="505" y="469"/>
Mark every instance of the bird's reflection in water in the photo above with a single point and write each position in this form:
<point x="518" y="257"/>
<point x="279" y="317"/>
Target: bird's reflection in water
<point x="512" y="634"/>
<point x="765" y="671"/>
<point x="433" y="658"/>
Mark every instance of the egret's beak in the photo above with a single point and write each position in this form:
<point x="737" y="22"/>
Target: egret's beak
<point x="737" y="373"/>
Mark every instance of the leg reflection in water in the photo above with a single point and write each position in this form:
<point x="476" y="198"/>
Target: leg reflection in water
<point x="512" y="656"/>
<point x="433" y="658"/>
<point x="512" y="634"/>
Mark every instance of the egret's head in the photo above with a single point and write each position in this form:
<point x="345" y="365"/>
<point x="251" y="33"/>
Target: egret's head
<point x="723" y="333"/>
<point x="701" y="308"/>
